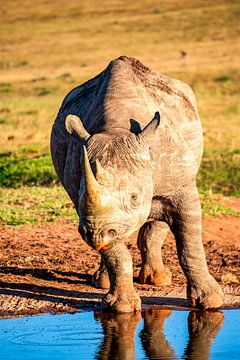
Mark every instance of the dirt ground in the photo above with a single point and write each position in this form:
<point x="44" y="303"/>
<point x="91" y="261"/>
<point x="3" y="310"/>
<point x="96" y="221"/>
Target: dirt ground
<point x="48" y="268"/>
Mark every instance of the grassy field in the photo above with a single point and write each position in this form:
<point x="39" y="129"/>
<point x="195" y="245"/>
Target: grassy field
<point x="49" y="47"/>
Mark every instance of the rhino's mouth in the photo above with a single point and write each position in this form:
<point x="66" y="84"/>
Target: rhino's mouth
<point x="103" y="238"/>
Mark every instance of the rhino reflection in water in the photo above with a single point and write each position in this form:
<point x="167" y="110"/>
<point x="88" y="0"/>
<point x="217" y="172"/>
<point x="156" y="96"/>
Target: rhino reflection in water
<point x="124" y="173"/>
<point x="119" y="331"/>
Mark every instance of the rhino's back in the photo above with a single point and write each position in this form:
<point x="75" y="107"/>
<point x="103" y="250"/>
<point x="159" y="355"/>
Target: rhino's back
<point x="126" y="95"/>
<point x="132" y="93"/>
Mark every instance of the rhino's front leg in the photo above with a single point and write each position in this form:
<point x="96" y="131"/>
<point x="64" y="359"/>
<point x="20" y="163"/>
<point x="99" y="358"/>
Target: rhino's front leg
<point x="121" y="297"/>
<point x="100" y="278"/>
<point x="202" y="289"/>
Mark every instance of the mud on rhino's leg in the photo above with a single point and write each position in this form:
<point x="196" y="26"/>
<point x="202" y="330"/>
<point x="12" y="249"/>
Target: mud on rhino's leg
<point x="202" y="289"/>
<point x="150" y="240"/>
<point x="100" y="278"/>
<point x="121" y="296"/>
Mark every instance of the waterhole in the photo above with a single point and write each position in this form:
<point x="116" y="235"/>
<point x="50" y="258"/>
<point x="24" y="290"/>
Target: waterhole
<point x="153" y="334"/>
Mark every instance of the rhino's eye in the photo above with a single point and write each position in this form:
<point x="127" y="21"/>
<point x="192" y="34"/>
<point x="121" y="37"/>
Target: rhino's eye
<point x="134" y="199"/>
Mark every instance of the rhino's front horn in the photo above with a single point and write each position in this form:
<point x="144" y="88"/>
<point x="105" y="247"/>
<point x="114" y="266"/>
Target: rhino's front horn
<point x="92" y="188"/>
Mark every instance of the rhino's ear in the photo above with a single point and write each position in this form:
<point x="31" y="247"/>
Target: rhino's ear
<point x="75" y="127"/>
<point x="148" y="132"/>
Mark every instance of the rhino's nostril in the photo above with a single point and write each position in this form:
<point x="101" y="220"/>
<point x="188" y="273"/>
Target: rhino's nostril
<point x="111" y="233"/>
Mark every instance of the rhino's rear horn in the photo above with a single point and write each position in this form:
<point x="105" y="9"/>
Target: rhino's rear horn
<point x="150" y="128"/>
<point x="102" y="175"/>
<point x="74" y="126"/>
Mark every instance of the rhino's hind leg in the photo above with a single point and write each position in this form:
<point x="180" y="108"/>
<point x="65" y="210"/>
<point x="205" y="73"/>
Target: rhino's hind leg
<point x="121" y="296"/>
<point x="150" y="240"/>
<point x="100" y="278"/>
<point x="202" y="289"/>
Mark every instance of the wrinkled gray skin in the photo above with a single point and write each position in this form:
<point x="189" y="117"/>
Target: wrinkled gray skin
<point x="135" y="174"/>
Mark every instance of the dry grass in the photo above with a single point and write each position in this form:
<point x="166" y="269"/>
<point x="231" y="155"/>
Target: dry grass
<point x="49" y="47"/>
<point x="46" y="40"/>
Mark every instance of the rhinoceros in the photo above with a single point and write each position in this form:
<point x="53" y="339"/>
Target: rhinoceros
<point x="127" y="170"/>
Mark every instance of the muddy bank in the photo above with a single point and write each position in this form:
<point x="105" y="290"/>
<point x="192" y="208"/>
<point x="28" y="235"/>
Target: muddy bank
<point x="48" y="268"/>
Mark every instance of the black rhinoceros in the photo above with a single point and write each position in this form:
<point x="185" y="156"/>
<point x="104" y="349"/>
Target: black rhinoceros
<point x="124" y="173"/>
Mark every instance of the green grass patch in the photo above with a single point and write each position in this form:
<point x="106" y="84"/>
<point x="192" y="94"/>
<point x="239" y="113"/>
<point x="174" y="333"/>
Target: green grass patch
<point x="34" y="203"/>
<point x="31" y="205"/>
<point x="220" y="173"/>
<point x="27" y="167"/>
<point x="43" y="91"/>
<point x="24" y="199"/>
<point x="29" y="112"/>
<point x="22" y="63"/>
<point x="5" y="88"/>
<point x="4" y="65"/>
<point x="223" y="78"/>
<point x="213" y="205"/>
<point x="32" y="166"/>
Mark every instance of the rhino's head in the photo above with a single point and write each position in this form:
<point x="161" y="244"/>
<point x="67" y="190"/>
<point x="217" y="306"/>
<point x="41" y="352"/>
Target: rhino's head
<point x="116" y="186"/>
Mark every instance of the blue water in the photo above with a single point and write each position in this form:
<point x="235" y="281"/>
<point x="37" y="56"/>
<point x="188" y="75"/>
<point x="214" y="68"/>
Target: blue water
<point x="154" y="334"/>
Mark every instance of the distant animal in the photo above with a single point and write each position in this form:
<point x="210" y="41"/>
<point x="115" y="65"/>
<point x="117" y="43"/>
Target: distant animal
<point x="125" y="169"/>
<point x="183" y="53"/>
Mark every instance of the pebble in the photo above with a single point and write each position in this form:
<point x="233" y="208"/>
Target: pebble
<point x="229" y="278"/>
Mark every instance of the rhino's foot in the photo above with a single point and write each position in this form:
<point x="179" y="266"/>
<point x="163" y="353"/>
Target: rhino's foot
<point x="206" y="294"/>
<point x="100" y="279"/>
<point x="159" y="277"/>
<point x="122" y="301"/>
